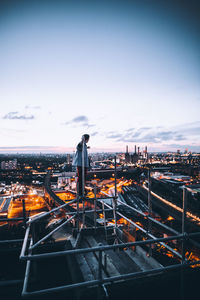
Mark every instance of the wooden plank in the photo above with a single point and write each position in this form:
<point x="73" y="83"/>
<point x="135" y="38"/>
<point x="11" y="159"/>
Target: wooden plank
<point x="114" y="257"/>
<point x="84" y="267"/>
<point x="111" y="270"/>
<point x="134" y="256"/>
<point x="130" y="264"/>
<point x="92" y="262"/>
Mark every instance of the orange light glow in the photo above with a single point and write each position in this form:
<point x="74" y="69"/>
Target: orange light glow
<point x="170" y="218"/>
<point x="33" y="204"/>
<point x="66" y="196"/>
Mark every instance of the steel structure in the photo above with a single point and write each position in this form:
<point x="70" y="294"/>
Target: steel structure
<point x="29" y="257"/>
<point x="29" y="244"/>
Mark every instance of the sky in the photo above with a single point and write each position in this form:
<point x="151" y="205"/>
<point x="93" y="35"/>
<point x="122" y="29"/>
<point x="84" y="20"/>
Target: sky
<point x="125" y="72"/>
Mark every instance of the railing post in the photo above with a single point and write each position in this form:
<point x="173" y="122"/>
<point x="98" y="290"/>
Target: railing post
<point x="149" y="208"/>
<point x="24" y="211"/>
<point x="115" y="177"/>
<point x="95" y="207"/>
<point x="182" y="287"/>
<point x="100" y="265"/>
<point x="184" y="223"/>
<point x="105" y="261"/>
<point x="104" y="218"/>
<point x="78" y="215"/>
<point x="83" y="179"/>
<point x="99" y="292"/>
<point x="115" y="198"/>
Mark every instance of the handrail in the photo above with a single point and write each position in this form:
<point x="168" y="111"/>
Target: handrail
<point x="29" y="258"/>
<point x="101" y="281"/>
<point x="35" y="257"/>
<point x="52" y="232"/>
<point x="31" y="220"/>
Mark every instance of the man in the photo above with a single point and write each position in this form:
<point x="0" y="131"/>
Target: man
<point x="81" y="162"/>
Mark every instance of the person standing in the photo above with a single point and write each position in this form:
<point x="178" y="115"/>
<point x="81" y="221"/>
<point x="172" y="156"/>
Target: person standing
<point x="81" y="162"/>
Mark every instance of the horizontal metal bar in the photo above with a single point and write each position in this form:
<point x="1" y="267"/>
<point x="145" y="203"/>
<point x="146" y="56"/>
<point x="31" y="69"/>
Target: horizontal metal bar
<point x="98" y="198"/>
<point x="49" y="234"/>
<point x="11" y="219"/>
<point x="190" y="239"/>
<point x="61" y="288"/>
<point x="49" y="212"/>
<point x="108" y="280"/>
<point x="163" y="225"/>
<point x="73" y="213"/>
<point x="193" y="234"/>
<point x="151" y="235"/>
<point x="93" y="227"/>
<point x="11" y="241"/>
<point x="100" y="248"/>
<point x="147" y="233"/>
<point x="89" y="211"/>
<point x="150" y="218"/>
<point x="10" y="282"/>
<point x="98" y="210"/>
<point x="152" y="271"/>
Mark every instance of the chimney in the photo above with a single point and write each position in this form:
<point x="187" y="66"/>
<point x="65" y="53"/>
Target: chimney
<point x="138" y="151"/>
<point x="135" y="149"/>
<point x="127" y="149"/>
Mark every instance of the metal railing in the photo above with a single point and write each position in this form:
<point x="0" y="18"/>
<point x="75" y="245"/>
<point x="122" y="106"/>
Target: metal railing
<point x="26" y="251"/>
<point x="35" y="257"/>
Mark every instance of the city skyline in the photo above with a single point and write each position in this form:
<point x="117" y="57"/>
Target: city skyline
<point x="125" y="73"/>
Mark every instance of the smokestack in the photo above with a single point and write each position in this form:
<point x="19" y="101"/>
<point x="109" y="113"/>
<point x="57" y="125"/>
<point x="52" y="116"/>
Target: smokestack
<point x="138" y="150"/>
<point x="146" y="154"/>
<point x="135" y="149"/>
<point x="127" y="149"/>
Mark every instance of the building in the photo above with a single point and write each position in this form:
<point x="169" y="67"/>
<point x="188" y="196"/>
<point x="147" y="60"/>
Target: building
<point x="68" y="159"/>
<point x="127" y="156"/>
<point x="134" y="157"/>
<point x="9" y="165"/>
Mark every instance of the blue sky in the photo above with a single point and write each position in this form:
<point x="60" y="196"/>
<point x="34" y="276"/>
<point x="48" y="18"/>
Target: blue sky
<point x="124" y="72"/>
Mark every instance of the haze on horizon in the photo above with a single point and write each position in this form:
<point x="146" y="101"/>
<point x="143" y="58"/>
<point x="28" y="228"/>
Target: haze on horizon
<point x="126" y="72"/>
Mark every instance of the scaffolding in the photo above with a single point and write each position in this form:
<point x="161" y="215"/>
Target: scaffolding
<point x="78" y="216"/>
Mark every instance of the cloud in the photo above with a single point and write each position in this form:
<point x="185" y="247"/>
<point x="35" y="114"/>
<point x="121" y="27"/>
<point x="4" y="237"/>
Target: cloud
<point x="146" y="135"/>
<point x="114" y="136"/>
<point x="189" y="128"/>
<point x="94" y="133"/>
<point x="15" y="115"/>
<point x="32" y="107"/>
<point x="130" y="129"/>
<point x="80" y="121"/>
